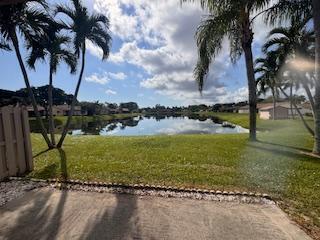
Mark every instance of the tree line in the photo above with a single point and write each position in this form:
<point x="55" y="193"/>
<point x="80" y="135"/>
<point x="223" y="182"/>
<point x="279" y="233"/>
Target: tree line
<point x="59" y="97"/>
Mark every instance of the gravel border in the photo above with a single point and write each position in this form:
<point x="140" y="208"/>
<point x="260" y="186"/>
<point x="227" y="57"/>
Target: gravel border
<point x="16" y="187"/>
<point x="10" y="190"/>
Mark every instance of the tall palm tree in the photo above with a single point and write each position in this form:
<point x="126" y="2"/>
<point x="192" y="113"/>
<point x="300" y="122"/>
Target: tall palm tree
<point x="228" y="19"/>
<point x="266" y="68"/>
<point x="86" y="27"/>
<point x="29" y="22"/>
<point x="52" y="45"/>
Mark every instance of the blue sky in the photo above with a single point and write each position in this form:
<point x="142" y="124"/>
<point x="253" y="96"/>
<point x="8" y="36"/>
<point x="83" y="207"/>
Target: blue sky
<point x="152" y="59"/>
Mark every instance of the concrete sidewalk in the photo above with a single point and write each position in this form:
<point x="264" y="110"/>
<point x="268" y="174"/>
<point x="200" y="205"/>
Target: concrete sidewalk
<point x="48" y="214"/>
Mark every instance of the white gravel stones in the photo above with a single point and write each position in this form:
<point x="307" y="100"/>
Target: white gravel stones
<point x="17" y="187"/>
<point x="10" y="190"/>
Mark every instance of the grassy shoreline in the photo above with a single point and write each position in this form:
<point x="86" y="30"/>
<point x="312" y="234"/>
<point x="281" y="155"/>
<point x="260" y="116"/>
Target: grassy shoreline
<point x="277" y="164"/>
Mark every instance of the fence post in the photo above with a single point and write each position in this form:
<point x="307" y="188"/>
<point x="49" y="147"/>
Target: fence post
<point x="10" y="153"/>
<point x="19" y="140"/>
<point x="27" y="139"/>
<point x="3" y="163"/>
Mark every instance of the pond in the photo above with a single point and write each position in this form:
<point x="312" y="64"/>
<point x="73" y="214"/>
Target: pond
<point x="157" y="125"/>
<point x="150" y="125"/>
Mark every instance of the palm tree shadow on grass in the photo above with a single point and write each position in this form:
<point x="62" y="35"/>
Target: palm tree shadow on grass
<point x="285" y="146"/>
<point x="40" y="153"/>
<point x="285" y="151"/>
<point x="50" y="171"/>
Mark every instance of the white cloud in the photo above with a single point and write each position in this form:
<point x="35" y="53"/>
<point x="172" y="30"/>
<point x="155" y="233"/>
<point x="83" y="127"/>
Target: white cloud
<point x="98" y="78"/>
<point x="111" y="92"/>
<point x="159" y="38"/>
<point x="105" y="77"/>
<point x="118" y="76"/>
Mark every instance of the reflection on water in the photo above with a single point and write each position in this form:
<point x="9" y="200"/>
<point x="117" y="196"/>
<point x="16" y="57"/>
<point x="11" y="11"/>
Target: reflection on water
<point x="155" y="125"/>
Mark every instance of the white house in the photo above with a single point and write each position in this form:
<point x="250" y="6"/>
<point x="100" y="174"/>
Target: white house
<point x="280" y="112"/>
<point x="244" y="109"/>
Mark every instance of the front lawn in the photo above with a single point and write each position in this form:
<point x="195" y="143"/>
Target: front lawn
<point x="278" y="164"/>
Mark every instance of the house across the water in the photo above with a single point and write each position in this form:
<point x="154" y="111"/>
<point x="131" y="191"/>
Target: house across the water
<point x="63" y="110"/>
<point x="58" y="110"/>
<point x="282" y="111"/>
<point x="31" y="113"/>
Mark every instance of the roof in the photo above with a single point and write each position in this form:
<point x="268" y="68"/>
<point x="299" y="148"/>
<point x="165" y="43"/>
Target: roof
<point x="264" y="106"/>
<point x="271" y="107"/>
<point x="288" y="105"/>
<point x="259" y="105"/>
<point x="244" y="107"/>
<point x="30" y="108"/>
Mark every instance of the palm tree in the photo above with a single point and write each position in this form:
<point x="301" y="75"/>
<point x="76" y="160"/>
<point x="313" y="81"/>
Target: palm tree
<point x="266" y="68"/>
<point x="52" y="45"/>
<point x="289" y="44"/>
<point x="228" y="19"/>
<point x="271" y="73"/>
<point x="86" y="27"/>
<point x="29" y="22"/>
<point x="295" y="41"/>
<point x="286" y="9"/>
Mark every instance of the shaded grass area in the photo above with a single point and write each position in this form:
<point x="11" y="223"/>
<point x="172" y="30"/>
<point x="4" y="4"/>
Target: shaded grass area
<point x="278" y="164"/>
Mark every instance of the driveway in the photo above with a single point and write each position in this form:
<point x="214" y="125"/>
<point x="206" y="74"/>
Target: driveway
<point x="52" y="214"/>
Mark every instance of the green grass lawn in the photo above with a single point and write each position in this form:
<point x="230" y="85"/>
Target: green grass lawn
<point x="278" y="164"/>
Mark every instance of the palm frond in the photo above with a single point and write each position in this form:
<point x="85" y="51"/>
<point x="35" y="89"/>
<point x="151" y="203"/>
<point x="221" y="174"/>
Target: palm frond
<point x="4" y="45"/>
<point x="65" y="10"/>
<point x="285" y="10"/>
<point x="209" y="36"/>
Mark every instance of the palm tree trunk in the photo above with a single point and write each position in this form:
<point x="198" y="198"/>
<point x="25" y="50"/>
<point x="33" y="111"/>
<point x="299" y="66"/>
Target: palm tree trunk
<point x="316" y="19"/>
<point x="300" y="114"/>
<point x="15" y="43"/>
<point x="291" y="100"/>
<point x="309" y="94"/>
<point x="50" y="101"/>
<point x="247" y="38"/>
<point x="274" y="104"/>
<point x="274" y="107"/>
<point x="74" y="99"/>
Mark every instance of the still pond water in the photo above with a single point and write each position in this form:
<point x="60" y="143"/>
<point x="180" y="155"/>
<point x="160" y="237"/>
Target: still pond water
<point x="157" y="125"/>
